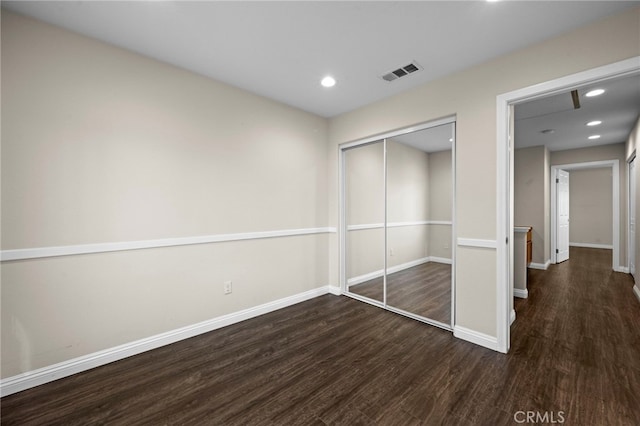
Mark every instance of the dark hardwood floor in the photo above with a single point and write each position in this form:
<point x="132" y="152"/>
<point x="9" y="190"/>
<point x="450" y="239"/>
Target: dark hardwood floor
<point x="424" y="290"/>
<point x="575" y="355"/>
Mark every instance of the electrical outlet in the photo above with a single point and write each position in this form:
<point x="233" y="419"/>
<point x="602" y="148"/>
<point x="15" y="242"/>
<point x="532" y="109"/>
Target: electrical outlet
<point x="228" y="287"/>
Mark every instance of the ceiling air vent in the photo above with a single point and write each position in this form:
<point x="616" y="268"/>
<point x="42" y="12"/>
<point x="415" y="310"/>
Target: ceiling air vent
<point x="401" y="72"/>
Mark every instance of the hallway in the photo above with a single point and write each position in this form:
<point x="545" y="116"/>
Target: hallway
<point x="579" y="331"/>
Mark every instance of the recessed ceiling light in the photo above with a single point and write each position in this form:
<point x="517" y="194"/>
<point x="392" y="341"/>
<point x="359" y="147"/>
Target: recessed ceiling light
<point x="595" y="92"/>
<point x="594" y="137"/>
<point x="450" y="139"/>
<point x="328" y="81"/>
<point x="594" y="123"/>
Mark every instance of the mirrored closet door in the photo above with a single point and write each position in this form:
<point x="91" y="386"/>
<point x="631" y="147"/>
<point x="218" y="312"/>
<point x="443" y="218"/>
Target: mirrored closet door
<point x="398" y="251"/>
<point x="365" y="217"/>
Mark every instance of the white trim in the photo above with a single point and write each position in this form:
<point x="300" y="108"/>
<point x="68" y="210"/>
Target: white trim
<point x="600" y="164"/>
<point x="365" y="226"/>
<point x="397" y="224"/>
<point x="365" y="277"/>
<point x="504" y="209"/>
<point x="542" y="266"/>
<point x="473" y="242"/>
<point x="342" y="219"/>
<point x="476" y="337"/>
<point x="53" y="372"/>
<point x="440" y="222"/>
<point x="589" y="245"/>
<point x="377" y="274"/>
<point x="522" y="294"/>
<point x="454" y="230"/>
<point x="513" y="316"/>
<point x="386" y="221"/>
<point x="623" y="269"/>
<point x="521" y="229"/>
<point x="420" y="318"/>
<point x="379" y="137"/>
<point x="630" y="198"/>
<point x="636" y="290"/>
<point x="335" y="290"/>
<point x="34" y="253"/>
<point x="615" y="203"/>
<point x="436" y="259"/>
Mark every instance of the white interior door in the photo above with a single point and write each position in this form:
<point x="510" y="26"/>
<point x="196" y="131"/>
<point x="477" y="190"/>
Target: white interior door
<point x="632" y="217"/>
<point x="562" y="183"/>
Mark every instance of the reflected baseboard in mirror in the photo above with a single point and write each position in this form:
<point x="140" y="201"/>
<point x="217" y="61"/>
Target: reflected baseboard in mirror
<point x="424" y="290"/>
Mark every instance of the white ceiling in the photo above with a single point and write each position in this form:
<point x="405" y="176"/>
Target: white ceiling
<point x="281" y="50"/>
<point x="433" y="139"/>
<point x="618" y="109"/>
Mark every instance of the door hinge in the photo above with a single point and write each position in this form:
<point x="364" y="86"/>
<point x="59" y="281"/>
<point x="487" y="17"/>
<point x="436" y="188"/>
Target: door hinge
<point x="557" y="180"/>
<point x="557" y="251"/>
<point x="507" y="241"/>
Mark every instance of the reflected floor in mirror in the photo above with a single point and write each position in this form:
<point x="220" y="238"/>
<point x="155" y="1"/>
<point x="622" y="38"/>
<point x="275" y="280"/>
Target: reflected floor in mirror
<point x="423" y="290"/>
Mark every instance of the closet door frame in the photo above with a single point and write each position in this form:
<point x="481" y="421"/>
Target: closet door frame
<point x="344" y="289"/>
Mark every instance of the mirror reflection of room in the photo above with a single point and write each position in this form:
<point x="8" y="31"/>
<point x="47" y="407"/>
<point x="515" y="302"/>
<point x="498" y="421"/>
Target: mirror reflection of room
<point x="419" y="195"/>
<point x="365" y="216"/>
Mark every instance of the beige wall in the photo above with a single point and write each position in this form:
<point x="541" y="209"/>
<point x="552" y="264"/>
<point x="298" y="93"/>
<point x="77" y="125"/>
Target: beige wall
<point x="530" y="197"/>
<point x="408" y="192"/>
<point x="600" y="153"/>
<point x="471" y="96"/>
<point x="102" y="145"/>
<point x="440" y="203"/>
<point x="590" y="210"/>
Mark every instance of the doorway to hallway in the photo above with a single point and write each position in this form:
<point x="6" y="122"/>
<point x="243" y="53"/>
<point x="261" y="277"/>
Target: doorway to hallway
<point x="506" y="148"/>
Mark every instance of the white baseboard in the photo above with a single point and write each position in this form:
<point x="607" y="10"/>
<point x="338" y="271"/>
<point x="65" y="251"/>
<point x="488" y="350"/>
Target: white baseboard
<point x="377" y="274"/>
<point x="542" y="266"/>
<point x="589" y="245"/>
<point x="476" y="337"/>
<point x="437" y="259"/>
<point x="364" y="277"/>
<point x="53" y="372"/>
<point x="622" y="269"/>
<point x="636" y="290"/>
<point x="334" y="290"/>
<point x="393" y="269"/>
<point x="513" y="316"/>
<point x="522" y="294"/>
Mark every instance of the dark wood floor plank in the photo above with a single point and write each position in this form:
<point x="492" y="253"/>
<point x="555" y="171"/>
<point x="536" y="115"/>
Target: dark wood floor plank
<point x="423" y="290"/>
<point x="336" y="361"/>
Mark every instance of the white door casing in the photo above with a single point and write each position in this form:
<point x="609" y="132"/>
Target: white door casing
<point x="615" y="206"/>
<point x="562" y="193"/>
<point x="632" y="217"/>
<point x="504" y="207"/>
